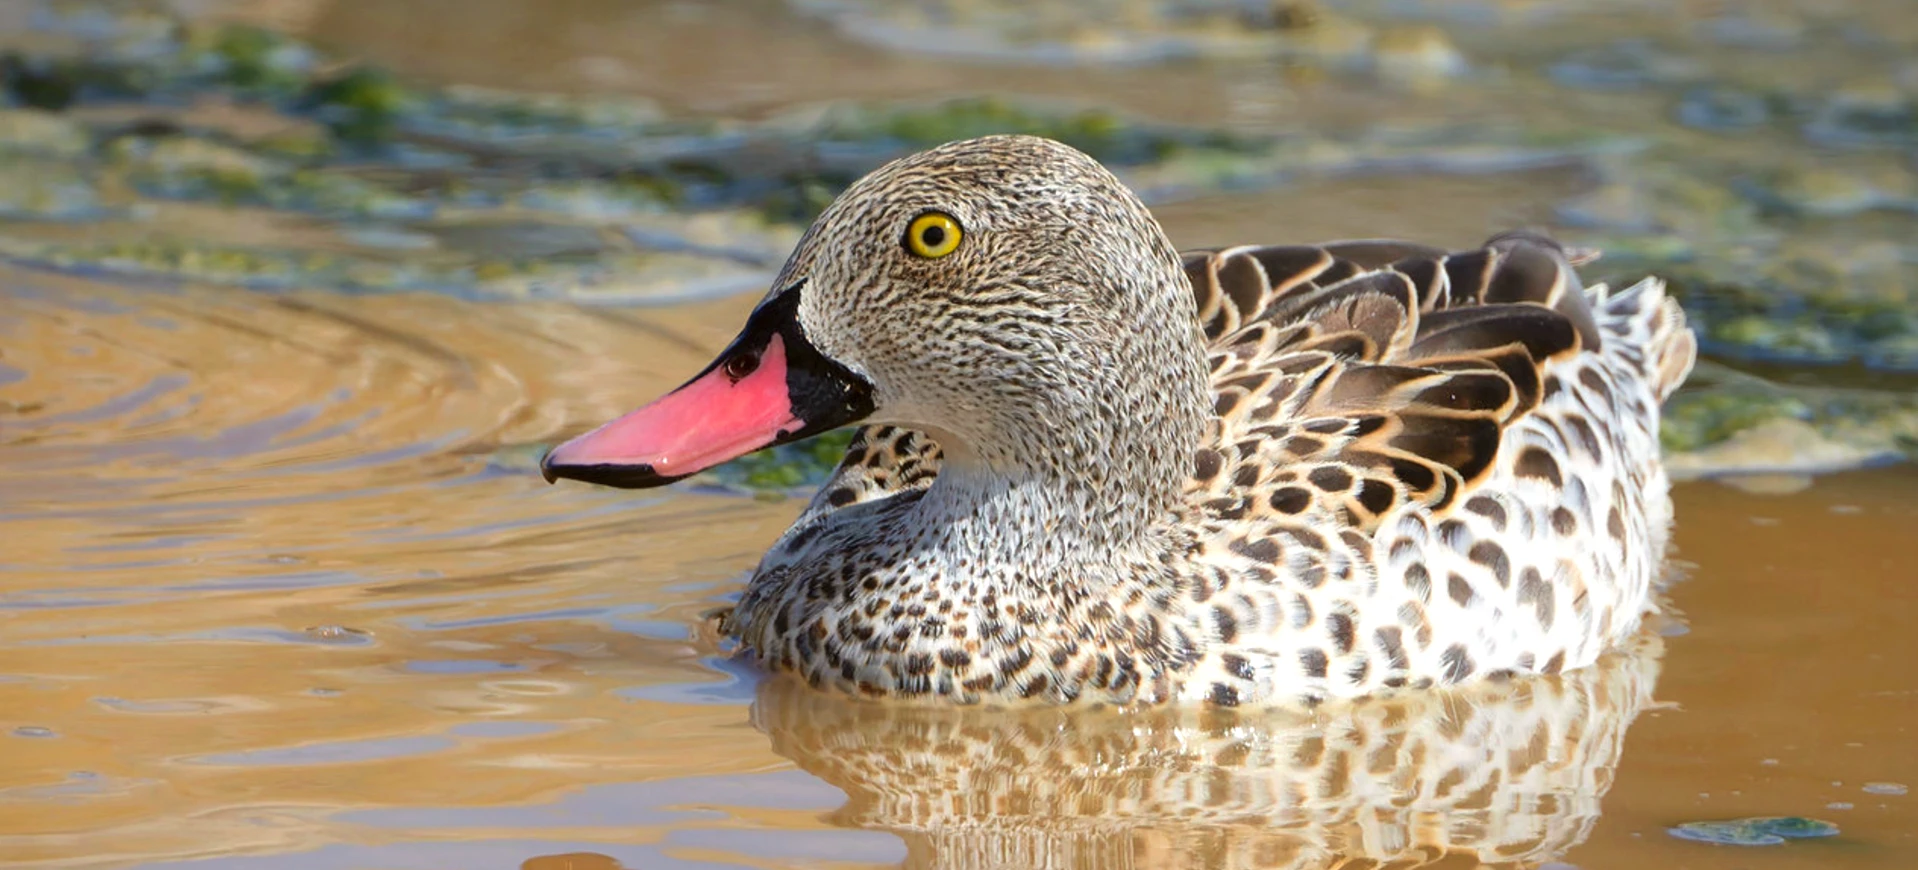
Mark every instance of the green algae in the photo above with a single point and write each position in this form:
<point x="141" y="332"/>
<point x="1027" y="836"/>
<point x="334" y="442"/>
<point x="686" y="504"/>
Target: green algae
<point x="1699" y="418"/>
<point x="355" y="143"/>
<point x="1777" y="258"/>
<point x="1786" y="303"/>
<point x="33" y="132"/>
<point x="362" y="105"/>
<point x="257" y="61"/>
<point x="198" y="169"/>
<point x="611" y="129"/>
<point x="248" y="267"/>
<point x="337" y="156"/>
<point x="801" y="196"/>
<point x="784" y="469"/>
<point x="1102" y="133"/>
<point x="1108" y="31"/>
<point x="358" y="143"/>
<point x="1727" y="421"/>
<point x="138" y="54"/>
<point x="1764" y="831"/>
<point x="47" y="190"/>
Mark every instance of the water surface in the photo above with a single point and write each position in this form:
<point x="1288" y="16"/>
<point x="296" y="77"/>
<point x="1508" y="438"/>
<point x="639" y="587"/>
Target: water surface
<point x="280" y="592"/>
<point x="280" y="588"/>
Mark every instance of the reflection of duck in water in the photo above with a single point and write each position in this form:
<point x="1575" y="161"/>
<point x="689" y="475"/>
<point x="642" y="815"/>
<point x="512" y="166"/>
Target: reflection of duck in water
<point x="1507" y="772"/>
<point x="1360" y="466"/>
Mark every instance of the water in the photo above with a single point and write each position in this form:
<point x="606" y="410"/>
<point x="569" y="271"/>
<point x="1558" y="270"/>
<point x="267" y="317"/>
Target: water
<point x="280" y="589"/>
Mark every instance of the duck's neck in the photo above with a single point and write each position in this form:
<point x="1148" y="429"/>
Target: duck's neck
<point x="980" y="521"/>
<point x="1082" y="478"/>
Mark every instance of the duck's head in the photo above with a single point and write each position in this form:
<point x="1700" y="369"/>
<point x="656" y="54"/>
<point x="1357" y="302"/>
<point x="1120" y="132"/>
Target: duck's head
<point x="993" y="292"/>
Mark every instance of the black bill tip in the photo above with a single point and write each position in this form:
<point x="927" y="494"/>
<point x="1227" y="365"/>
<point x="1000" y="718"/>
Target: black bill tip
<point x="617" y="476"/>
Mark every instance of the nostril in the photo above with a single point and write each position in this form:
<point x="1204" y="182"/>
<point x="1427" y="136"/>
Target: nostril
<point x="741" y="365"/>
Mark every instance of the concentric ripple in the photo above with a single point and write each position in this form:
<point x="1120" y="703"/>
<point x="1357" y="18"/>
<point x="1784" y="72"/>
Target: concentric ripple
<point x="244" y="534"/>
<point x="170" y="419"/>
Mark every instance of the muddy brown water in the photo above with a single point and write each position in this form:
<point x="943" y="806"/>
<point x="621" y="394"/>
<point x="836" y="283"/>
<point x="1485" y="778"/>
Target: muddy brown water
<point x="277" y="593"/>
<point x="278" y="589"/>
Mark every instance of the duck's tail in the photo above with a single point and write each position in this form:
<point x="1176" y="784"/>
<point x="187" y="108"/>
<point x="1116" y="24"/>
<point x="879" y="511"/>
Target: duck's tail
<point x="1641" y="329"/>
<point x="1645" y="332"/>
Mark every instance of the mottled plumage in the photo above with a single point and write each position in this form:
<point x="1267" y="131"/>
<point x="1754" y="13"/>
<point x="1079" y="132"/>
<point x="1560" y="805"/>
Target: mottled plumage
<point x="1100" y="470"/>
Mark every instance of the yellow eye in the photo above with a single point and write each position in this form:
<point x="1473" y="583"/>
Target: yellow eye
<point x="933" y="235"/>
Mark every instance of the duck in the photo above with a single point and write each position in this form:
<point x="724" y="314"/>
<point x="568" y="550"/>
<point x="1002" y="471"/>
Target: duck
<point x="1090" y="468"/>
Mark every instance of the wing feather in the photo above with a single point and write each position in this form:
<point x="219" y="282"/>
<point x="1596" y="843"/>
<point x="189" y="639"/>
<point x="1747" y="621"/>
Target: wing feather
<point x="1400" y="364"/>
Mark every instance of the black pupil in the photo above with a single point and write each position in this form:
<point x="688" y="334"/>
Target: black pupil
<point x="742" y="365"/>
<point x="933" y="236"/>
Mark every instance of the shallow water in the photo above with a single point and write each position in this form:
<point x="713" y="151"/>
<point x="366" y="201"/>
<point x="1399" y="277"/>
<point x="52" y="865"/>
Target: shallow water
<point x="279" y="591"/>
<point x="279" y="588"/>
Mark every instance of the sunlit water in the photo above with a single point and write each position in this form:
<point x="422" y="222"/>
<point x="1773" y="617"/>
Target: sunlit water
<point x="279" y="589"/>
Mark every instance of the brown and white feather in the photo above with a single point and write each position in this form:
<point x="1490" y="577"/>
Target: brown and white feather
<point x="1419" y="467"/>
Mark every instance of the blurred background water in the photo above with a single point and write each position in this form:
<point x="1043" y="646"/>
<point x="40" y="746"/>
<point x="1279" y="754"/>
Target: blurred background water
<point x="293" y="292"/>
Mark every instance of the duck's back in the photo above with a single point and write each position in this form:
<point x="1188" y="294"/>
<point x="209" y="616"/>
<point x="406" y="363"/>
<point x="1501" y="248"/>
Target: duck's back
<point x="1426" y="467"/>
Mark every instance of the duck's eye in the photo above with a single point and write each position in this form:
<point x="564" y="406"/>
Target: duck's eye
<point x="933" y="235"/>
